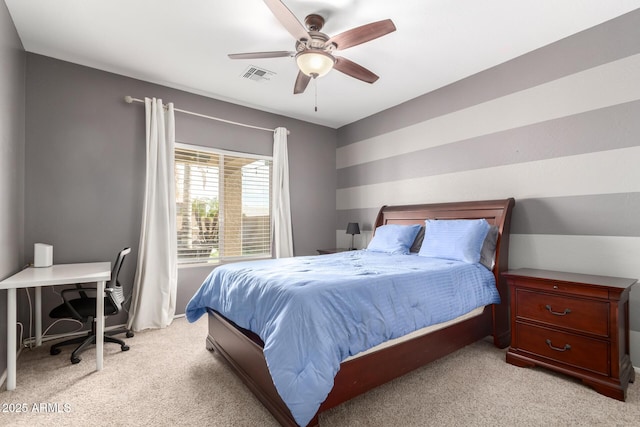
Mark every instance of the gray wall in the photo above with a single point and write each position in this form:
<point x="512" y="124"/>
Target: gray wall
<point x="85" y="165"/>
<point x="12" y="141"/>
<point x="558" y="129"/>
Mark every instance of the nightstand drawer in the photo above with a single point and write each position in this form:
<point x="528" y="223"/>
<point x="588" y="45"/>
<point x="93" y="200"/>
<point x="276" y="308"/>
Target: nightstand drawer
<point x="572" y="313"/>
<point x="552" y="286"/>
<point x="574" y="350"/>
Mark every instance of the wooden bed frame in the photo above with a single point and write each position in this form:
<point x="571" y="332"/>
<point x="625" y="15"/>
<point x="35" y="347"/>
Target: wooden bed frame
<point x="242" y="349"/>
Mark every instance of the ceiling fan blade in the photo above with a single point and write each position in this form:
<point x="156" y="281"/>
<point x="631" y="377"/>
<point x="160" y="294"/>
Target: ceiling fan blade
<point x="302" y="81"/>
<point x="354" y="70"/>
<point x="288" y="19"/>
<point x="254" y="55"/>
<point x="364" y="33"/>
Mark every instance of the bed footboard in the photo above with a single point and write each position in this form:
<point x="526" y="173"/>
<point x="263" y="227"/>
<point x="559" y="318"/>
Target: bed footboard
<point x="243" y="352"/>
<point x="364" y="373"/>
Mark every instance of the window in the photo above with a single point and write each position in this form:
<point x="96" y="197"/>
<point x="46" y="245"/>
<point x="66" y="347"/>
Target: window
<point x="223" y="205"/>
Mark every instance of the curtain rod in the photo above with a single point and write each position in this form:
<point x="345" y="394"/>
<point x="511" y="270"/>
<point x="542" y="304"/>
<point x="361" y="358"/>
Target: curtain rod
<point x="128" y="99"/>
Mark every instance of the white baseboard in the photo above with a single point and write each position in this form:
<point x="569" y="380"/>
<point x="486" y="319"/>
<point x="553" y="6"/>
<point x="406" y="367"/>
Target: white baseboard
<point x="634" y="349"/>
<point x="28" y="342"/>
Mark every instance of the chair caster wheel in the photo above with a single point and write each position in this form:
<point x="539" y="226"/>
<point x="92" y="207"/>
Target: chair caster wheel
<point x="124" y="347"/>
<point x="54" y="351"/>
<point x="75" y="360"/>
<point x="129" y="334"/>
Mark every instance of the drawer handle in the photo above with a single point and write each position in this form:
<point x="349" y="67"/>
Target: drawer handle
<point x="557" y="313"/>
<point x="566" y="347"/>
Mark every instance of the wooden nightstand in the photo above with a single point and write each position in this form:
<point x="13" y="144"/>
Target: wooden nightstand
<point x="576" y="324"/>
<point x="331" y="251"/>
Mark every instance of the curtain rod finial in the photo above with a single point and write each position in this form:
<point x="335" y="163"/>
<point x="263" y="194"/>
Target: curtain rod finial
<point x="128" y="99"/>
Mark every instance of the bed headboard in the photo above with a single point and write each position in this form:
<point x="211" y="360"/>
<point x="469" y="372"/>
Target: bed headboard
<point x="496" y="212"/>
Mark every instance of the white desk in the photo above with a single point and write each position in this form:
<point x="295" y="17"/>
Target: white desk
<point x="60" y="274"/>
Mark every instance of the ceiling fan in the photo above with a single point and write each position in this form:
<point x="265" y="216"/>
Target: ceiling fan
<point x="314" y="50"/>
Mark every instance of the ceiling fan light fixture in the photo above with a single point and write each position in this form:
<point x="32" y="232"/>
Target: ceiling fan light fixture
<point x="315" y="63"/>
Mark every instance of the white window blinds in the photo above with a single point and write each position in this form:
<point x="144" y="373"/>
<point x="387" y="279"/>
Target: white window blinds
<point x="223" y="205"/>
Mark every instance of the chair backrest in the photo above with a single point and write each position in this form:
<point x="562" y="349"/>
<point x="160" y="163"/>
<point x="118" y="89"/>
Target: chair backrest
<point x="117" y="293"/>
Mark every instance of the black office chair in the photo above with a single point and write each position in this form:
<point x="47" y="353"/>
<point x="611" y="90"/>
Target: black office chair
<point x="83" y="309"/>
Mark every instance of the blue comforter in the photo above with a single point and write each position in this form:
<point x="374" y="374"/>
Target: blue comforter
<point x="313" y="312"/>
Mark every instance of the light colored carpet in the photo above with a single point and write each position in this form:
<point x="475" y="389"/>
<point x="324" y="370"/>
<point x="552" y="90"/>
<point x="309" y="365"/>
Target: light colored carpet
<point x="169" y="378"/>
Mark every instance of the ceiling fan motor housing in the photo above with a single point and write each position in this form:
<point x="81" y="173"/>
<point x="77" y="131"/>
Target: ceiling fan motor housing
<point x="317" y="41"/>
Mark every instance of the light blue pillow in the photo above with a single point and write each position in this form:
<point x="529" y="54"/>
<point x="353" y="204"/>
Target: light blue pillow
<point x="457" y="239"/>
<point x="394" y="238"/>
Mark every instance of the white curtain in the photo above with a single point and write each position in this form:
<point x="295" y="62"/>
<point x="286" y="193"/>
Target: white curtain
<point x="153" y="303"/>
<point x="281" y="206"/>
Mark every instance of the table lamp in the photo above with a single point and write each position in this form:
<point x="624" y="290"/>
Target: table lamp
<point x="353" y="228"/>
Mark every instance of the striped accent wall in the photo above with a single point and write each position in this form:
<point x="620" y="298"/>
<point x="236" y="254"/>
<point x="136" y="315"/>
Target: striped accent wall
<point x="558" y="129"/>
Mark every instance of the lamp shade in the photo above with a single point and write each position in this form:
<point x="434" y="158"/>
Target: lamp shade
<point x="353" y="228"/>
<point x="314" y="63"/>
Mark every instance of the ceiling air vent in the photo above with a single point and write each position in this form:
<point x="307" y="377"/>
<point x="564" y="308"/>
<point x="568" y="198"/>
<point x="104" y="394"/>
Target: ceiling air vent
<point x="257" y="74"/>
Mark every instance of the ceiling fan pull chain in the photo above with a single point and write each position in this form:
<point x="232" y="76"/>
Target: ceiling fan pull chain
<point x="315" y="87"/>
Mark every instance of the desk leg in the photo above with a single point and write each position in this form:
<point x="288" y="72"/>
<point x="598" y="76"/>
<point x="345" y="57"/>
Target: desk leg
<point x="99" y="324"/>
<point x="38" y="315"/>
<point x="11" y="338"/>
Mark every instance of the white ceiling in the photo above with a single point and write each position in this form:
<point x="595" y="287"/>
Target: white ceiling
<point x="184" y="44"/>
